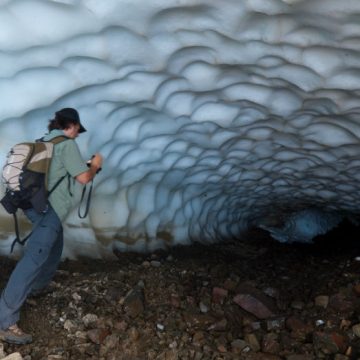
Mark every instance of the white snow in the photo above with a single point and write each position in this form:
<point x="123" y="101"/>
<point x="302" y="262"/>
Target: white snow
<point x="212" y="115"/>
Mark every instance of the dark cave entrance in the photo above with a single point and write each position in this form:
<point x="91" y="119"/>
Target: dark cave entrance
<point x="342" y="240"/>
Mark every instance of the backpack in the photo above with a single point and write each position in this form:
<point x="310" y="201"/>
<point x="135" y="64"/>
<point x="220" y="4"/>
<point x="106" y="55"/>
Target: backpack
<point x="25" y="176"/>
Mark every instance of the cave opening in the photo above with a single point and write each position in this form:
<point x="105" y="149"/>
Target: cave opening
<point x="342" y="240"/>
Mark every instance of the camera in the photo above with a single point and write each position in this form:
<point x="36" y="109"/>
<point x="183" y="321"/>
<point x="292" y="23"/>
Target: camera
<point x="88" y="164"/>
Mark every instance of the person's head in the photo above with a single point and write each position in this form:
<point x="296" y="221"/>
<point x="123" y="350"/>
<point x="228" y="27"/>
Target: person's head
<point x="68" y="120"/>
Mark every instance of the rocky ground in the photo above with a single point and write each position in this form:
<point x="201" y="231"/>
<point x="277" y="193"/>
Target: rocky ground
<point x="254" y="299"/>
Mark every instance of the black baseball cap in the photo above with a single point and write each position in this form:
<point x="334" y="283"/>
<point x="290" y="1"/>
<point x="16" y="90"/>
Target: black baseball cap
<point x="71" y="114"/>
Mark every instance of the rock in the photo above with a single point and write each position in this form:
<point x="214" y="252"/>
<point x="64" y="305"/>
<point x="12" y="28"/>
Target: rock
<point x="97" y="336"/>
<point x="330" y="343"/>
<point x="340" y="303"/>
<point x="272" y="292"/>
<point x="255" y="302"/>
<point x="345" y="324"/>
<point x="133" y="333"/>
<point x="203" y="307"/>
<point x="221" y="344"/>
<point x="173" y="345"/>
<point x="322" y="301"/>
<point x="155" y="263"/>
<point x="270" y="344"/>
<point x="81" y="335"/>
<point x="198" y="321"/>
<point x="114" y="294"/>
<point x="175" y="300"/>
<point x="299" y="330"/>
<point x="168" y="355"/>
<point x="219" y="325"/>
<point x="277" y="323"/>
<point x="255" y="325"/>
<point x="297" y="305"/>
<point x="134" y="302"/>
<point x="13" y="356"/>
<point x="356" y="330"/>
<point x="198" y="339"/>
<point x="89" y="320"/>
<point x="109" y="343"/>
<point x="70" y="326"/>
<point x="160" y="327"/>
<point x="253" y="341"/>
<point x="77" y="297"/>
<point x="219" y="295"/>
<point x="238" y="346"/>
<point x="121" y="325"/>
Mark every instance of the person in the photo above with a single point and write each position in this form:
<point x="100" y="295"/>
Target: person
<point x="43" y="250"/>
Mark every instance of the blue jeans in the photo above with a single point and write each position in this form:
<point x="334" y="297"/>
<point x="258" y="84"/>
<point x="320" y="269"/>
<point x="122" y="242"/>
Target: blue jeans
<point x="37" y="266"/>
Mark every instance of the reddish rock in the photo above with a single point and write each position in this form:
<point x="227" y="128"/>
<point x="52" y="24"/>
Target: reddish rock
<point x="219" y="295"/>
<point x="255" y="302"/>
<point x="299" y="330"/>
<point x="270" y="344"/>
<point x="97" y="336"/>
<point x="134" y="302"/>
<point x="330" y="343"/>
<point x="340" y="303"/>
<point x="198" y="339"/>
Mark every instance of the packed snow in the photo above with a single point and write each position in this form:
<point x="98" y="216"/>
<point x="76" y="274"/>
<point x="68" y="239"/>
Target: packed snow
<point x="213" y="116"/>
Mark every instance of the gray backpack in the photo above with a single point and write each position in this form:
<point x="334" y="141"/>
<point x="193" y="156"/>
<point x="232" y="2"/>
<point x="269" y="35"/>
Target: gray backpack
<point x="25" y="176"/>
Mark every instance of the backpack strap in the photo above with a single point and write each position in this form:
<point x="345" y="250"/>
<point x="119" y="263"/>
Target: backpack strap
<point x="17" y="232"/>
<point x="55" y="140"/>
<point x="58" y="139"/>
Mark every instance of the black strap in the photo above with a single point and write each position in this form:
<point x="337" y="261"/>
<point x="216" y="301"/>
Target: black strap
<point x="87" y="206"/>
<point x="57" y="184"/>
<point x="17" y="239"/>
<point x="88" y="201"/>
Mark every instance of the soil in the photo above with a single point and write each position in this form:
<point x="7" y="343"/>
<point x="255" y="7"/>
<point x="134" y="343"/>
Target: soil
<point x="301" y="303"/>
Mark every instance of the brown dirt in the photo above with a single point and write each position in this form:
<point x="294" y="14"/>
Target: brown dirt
<point x="173" y="284"/>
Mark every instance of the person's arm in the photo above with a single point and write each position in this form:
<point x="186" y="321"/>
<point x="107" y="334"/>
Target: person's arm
<point x="88" y="175"/>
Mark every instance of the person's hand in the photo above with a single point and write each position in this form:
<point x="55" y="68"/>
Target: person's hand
<point x="96" y="161"/>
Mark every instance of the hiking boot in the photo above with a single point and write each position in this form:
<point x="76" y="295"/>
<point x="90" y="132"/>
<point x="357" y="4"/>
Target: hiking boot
<point x="14" y="335"/>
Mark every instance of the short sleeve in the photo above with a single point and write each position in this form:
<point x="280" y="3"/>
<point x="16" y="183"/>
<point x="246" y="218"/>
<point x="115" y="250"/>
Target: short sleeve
<point x="72" y="159"/>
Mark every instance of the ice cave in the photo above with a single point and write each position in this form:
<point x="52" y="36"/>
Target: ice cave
<point x="212" y="116"/>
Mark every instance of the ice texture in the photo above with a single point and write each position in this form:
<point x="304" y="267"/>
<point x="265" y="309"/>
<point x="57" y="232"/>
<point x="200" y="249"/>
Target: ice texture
<point x="213" y="116"/>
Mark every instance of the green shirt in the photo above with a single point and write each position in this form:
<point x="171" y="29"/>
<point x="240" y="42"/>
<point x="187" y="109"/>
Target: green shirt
<point x="66" y="160"/>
